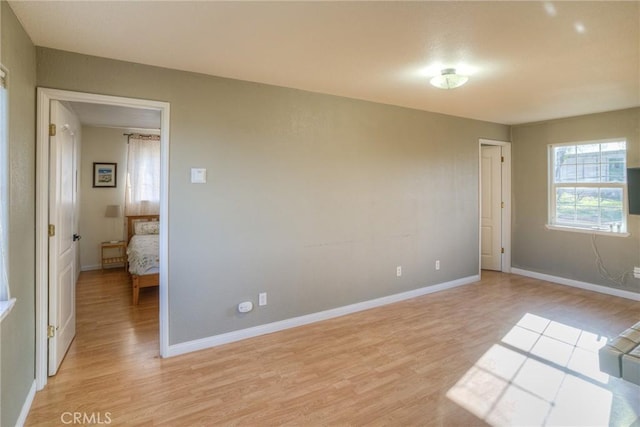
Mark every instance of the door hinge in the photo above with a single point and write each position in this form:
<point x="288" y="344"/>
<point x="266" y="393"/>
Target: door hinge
<point x="52" y="129"/>
<point x="52" y="230"/>
<point x="502" y="159"/>
<point x="502" y="250"/>
<point x="502" y="205"/>
<point x="51" y="331"/>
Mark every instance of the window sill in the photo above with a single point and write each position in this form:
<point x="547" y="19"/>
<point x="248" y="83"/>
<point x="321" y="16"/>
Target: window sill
<point x="5" y="307"/>
<point x="588" y="231"/>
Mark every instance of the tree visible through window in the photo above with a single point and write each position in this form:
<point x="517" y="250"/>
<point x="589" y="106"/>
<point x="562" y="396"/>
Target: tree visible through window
<point x="587" y="185"/>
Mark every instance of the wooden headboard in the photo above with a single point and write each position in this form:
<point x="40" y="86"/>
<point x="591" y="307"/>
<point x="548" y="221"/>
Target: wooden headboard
<point x="132" y="219"/>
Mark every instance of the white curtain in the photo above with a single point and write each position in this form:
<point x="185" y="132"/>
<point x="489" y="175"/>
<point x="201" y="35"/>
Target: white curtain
<point x="143" y="175"/>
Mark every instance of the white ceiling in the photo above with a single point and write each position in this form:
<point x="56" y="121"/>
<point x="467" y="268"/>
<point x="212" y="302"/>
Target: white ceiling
<point x="528" y="61"/>
<point x="118" y="117"/>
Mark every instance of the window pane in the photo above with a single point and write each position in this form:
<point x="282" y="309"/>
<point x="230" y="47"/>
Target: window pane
<point x="588" y="172"/>
<point x="566" y="215"/>
<point x="588" y="153"/>
<point x="587" y="206"/>
<point x="619" y="146"/>
<point x="587" y="196"/>
<point x="611" y="196"/>
<point x="565" y="155"/>
<point x="566" y="173"/>
<point x="566" y="196"/>
<point x="592" y="163"/>
<point x="587" y="216"/>
<point x="611" y="216"/>
<point x="614" y="171"/>
<point x="604" y="162"/>
<point x="565" y="205"/>
<point x="5" y="294"/>
<point x="611" y="205"/>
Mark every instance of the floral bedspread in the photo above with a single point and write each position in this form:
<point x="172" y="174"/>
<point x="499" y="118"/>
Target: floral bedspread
<point x="143" y="252"/>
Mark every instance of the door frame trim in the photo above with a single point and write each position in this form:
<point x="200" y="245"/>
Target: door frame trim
<point x="44" y="96"/>
<point x="506" y="198"/>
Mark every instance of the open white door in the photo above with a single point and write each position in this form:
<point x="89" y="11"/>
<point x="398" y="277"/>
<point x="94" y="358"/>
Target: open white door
<point x="491" y="208"/>
<point x="63" y="233"/>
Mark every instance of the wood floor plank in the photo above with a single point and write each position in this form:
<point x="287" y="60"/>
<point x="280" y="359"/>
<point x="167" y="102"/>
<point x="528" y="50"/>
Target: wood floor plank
<point x="444" y="359"/>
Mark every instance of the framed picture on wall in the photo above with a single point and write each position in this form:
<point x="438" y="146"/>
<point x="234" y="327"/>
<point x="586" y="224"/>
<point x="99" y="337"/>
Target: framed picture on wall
<point x="105" y="175"/>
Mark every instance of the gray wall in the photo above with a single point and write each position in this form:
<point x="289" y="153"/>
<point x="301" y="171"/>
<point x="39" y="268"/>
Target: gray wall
<point x="18" y="329"/>
<point x="562" y="253"/>
<point x="312" y="198"/>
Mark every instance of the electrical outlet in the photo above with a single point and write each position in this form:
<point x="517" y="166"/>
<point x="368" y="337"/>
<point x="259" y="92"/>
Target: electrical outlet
<point x="437" y="264"/>
<point x="245" y="307"/>
<point x="636" y="272"/>
<point x="399" y="271"/>
<point x="262" y="298"/>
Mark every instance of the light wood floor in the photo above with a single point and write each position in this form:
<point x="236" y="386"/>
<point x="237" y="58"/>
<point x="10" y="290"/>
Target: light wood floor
<point x="507" y="350"/>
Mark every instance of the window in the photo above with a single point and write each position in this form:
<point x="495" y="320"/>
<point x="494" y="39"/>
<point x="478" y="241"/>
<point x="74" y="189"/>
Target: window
<point x="588" y="186"/>
<point x="5" y="295"/>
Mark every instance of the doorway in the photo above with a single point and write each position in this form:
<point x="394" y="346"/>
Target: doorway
<point x="44" y="101"/>
<point x="494" y="199"/>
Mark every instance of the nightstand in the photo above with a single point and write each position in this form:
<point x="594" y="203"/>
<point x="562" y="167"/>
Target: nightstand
<point x="110" y="257"/>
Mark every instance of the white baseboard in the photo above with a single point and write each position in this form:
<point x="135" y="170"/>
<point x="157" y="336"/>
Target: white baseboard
<point x="578" y="284"/>
<point x="229" y="337"/>
<point x="26" y="407"/>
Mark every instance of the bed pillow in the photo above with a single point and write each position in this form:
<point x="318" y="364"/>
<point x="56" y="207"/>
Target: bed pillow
<point x="147" y="227"/>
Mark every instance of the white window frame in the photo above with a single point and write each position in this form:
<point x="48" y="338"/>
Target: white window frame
<point x="6" y="302"/>
<point x="552" y="185"/>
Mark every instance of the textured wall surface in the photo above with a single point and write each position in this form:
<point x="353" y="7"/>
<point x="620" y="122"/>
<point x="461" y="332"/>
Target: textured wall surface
<point x="18" y="329"/>
<point x="561" y="253"/>
<point x="312" y="198"/>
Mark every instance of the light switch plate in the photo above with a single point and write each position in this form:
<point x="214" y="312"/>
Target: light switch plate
<point x="198" y="175"/>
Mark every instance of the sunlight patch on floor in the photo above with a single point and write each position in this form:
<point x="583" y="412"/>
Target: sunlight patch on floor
<point x="543" y="372"/>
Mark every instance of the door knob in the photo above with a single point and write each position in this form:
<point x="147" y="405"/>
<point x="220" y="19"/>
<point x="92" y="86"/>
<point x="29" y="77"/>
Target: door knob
<point x="76" y="237"/>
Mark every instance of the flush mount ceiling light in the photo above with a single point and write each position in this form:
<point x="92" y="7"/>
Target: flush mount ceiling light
<point x="448" y="79"/>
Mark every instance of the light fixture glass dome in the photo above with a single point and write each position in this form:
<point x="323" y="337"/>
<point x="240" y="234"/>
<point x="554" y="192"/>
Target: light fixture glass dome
<point x="448" y="79"/>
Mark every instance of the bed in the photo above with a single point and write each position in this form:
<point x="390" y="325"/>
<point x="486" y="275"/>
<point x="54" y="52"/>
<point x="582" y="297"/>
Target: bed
<point x="143" y="252"/>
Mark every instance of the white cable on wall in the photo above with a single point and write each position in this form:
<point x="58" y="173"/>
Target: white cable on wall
<point x="602" y="270"/>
